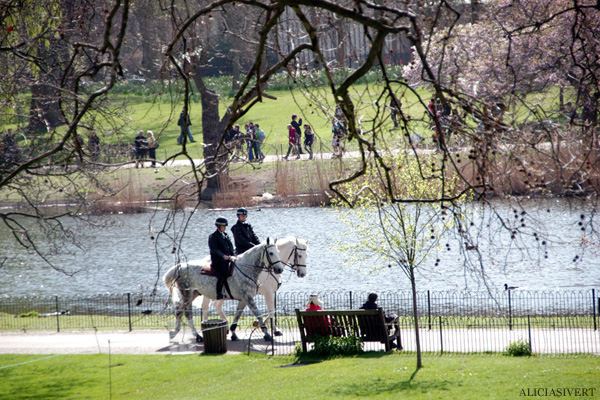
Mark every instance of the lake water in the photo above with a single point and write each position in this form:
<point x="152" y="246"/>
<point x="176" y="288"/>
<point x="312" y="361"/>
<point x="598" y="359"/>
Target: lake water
<point x="124" y="259"/>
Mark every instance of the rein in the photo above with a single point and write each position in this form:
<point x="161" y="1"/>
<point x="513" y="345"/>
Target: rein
<point x="262" y="267"/>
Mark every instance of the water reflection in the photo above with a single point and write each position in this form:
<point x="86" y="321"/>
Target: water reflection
<point x="124" y="259"/>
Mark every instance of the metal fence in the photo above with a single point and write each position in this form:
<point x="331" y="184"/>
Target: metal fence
<point x="553" y="322"/>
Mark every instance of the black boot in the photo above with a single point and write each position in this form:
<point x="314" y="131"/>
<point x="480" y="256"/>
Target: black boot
<point x="220" y="283"/>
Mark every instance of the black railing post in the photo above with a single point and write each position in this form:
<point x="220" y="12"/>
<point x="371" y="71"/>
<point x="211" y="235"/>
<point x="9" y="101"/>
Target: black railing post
<point x="275" y="315"/>
<point x="594" y="307"/>
<point x="429" y="308"/>
<point x="351" y="300"/>
<point x="441" y="338"/>
<point x="57" y="314"/>
<point x="509" y="312"/>
<point x="529" y="329"/>
<point x="129" y="309"/>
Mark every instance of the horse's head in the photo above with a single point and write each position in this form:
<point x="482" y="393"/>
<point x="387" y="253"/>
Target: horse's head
<point x="300" y="254"/>
<point x="294" y="252"/>
<point x="271" y="257"/>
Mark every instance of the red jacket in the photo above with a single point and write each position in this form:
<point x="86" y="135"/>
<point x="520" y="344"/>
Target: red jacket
<point x="316" y="325"/>
<point x="292" y="136"/>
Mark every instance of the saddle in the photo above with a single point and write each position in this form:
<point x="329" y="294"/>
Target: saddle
<point x="207" y="269"/>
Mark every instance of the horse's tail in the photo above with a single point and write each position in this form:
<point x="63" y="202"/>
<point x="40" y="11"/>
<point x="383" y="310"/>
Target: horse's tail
<point x="170" y="279"/>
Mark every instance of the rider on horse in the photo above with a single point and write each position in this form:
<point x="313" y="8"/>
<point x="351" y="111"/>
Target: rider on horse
<point x="221" y="250"/>
<point x="243" y="234"/>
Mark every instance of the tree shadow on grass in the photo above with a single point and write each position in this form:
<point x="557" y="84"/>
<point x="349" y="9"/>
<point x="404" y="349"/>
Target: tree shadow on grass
<point x="378" y="386"/>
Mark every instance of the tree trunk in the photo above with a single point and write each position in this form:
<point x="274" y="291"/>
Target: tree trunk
<point x="413" y="286"/>
<point x="150" y="42"/>
<point x="212" y="132"/>
<point x="44" y="113"/>
<point x="211" y="136"/>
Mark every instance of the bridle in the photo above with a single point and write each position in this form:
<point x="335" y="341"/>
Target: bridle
<point x="266" y="255"/>
<point x="294" y="267"/>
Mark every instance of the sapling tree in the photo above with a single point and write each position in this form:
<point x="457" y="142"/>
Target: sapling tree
<point x="403" y="233"/>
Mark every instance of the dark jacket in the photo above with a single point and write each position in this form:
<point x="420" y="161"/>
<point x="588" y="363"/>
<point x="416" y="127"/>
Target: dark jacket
<point x="244" y="237"/>
<point x="141" y="145"/>
<point x="371" y="305"/>
<point x="181" y="121"/>
<point x="220" y="245"/>
<point x="297" y="125"/>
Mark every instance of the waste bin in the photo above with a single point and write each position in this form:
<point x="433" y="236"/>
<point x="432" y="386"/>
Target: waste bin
<point x="215" y="335"/>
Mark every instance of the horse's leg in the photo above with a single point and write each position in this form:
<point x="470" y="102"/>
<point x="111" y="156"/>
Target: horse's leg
<point x="189" y="297"/>
<point x="179" y="311"/>
<point x="178" y="315"/>
<point x="270" y="301"/>
<point x="254" y="308"/>
<point x="236" y="318"/>
<point x="218" y="304"/>
<point x="205" y="307"/>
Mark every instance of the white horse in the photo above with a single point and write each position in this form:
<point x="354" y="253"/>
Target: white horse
<point x="243" y="283"/>
<point x="293" y="253"/>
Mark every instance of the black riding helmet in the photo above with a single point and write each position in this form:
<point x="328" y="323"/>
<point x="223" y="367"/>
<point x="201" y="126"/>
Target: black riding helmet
<point x="221" y="221"/>
<point x="242" y="211"/>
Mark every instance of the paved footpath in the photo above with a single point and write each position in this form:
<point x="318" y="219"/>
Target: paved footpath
<point x="551" y="341"/>
<point x="122" y="342"/>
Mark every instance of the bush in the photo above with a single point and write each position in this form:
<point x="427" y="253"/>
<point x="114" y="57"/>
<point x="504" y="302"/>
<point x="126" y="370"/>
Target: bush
<point x="29" y="314"/>
<point x="331" y="346"/>
<point x="518" y="349"/>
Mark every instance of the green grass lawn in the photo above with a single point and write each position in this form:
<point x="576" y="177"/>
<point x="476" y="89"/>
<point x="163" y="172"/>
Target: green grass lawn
<point x="272" y="115"/>
<point x="372" y="376"/>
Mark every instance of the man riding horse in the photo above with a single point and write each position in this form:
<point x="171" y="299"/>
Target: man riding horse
<point x="221" y="251"/>
<point x="243" y="234"/>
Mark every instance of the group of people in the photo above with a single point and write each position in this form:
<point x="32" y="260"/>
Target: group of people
<point x="295" y="138"/>
<point x="316" y="304"/>
<point x="144" y="147"/>
<point x="221" y="247"/>
<point x="251" y="139"/>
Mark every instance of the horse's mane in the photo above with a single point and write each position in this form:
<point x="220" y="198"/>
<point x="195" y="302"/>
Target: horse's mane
<point x="293" y="239"/>
<point x="253" y="249"/>
<point x="258" y="247"/>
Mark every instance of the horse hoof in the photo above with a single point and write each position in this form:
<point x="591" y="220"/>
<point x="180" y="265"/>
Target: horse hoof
<point x="199" y="339"/>
<point x="278" y="333"/>
<point x="234" y="337"/>
<point x="172" y="334"/>
<point x="268" y="338"/>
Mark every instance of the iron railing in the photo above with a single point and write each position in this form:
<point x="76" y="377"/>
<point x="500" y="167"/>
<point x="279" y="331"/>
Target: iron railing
<point x="554" y="322"/>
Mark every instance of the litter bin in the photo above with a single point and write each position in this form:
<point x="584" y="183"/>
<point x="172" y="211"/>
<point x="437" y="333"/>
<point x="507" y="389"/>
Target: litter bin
<point x="215" y="335"/>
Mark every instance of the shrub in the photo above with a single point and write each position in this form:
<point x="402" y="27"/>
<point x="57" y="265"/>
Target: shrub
<point x="29" y="314"/>
<point x="518" y="349"/>
<point x="331" y="346"/>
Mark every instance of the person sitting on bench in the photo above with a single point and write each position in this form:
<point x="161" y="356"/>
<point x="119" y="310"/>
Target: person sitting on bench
<point x="319" y="324"/>
<point x="371" y="304"/>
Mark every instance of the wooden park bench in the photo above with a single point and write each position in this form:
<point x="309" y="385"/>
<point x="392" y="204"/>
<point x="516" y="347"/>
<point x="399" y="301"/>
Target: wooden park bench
<point x="367" y="325"/>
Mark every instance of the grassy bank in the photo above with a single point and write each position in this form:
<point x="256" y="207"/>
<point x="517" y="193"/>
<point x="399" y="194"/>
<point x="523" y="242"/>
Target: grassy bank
<point x="372" y="375"/>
